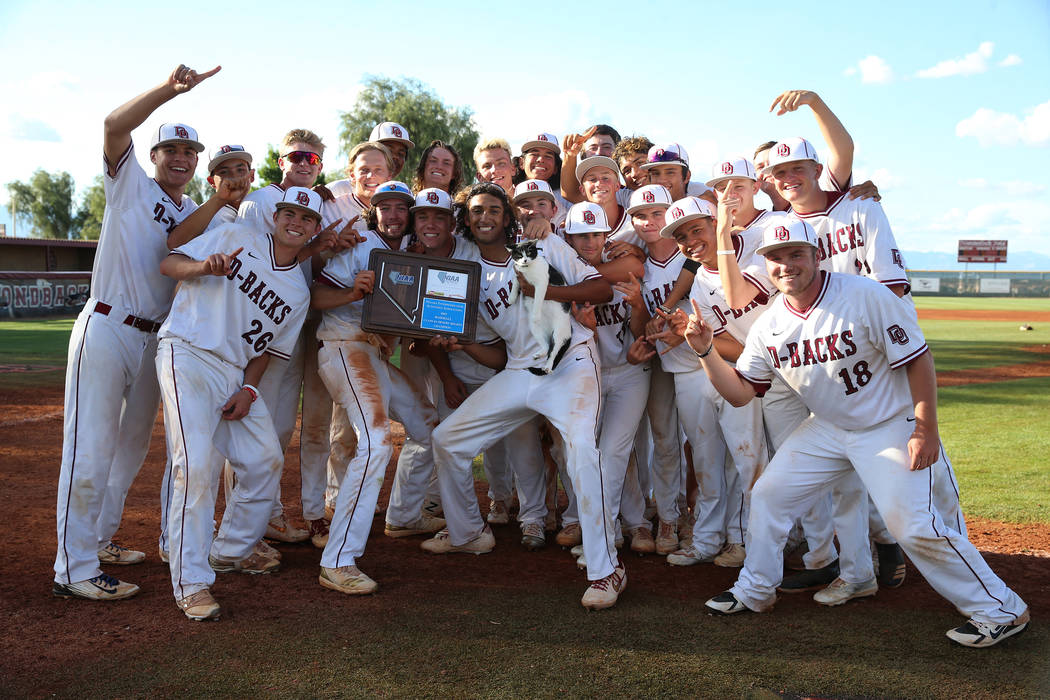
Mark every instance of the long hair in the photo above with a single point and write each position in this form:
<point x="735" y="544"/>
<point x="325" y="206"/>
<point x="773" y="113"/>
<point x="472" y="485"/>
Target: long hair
<point x="457" y="167"/>
<point x="510" y="231"/>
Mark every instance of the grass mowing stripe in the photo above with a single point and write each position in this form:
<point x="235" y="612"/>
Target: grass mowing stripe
<point x="984" y="303"/>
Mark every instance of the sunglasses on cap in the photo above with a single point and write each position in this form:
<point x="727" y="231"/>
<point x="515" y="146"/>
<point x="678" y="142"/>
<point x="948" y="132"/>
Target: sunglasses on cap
<point x="662" y="156"/>
<point x="300" y="156"/>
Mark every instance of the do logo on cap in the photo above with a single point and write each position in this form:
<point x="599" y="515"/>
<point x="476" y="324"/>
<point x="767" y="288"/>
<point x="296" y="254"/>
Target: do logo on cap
<point x="302" y="198"/>
<point x="783" y="150"/>
<point x="541" y="137"/>
<point x="781" y="233"/>
<point x="432" y="197"/>
<point x="649" y="197"/>
<point x="588" y="217"/>
<point x="727" y="168"/>
<point x="532" y="187"/>
<point x="396" y="131"/>
<point x="181" y="132"/>
<point x="677" y="213"/>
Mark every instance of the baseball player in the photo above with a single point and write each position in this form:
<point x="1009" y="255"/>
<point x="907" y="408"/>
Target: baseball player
<point x="569" y="398"/>
<point x="668" y="165"/>
<point x="858" y="359"/>
<point x="395" y="138"/>
<point x="600" y="181"/>
<point x="439" y="167"/>
<point x="541" y="160"/>
<point x="111" y="393"/>
<point x="241" y="298"/>
<point x="599" y="140"/>
<point x="354" y="366"/>
<point x="630" y="154"/>
<point x="493" y="161"/>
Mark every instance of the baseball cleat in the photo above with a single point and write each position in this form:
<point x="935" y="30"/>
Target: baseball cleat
<point x="983" y="634"/>
<point x="200" y="606"/>
<point x="256" y="563"/>
<point x="570" y="535"/>
<point x="424" y="525"/>
<point x="101" y="587"/>
<point x="810" y="579"/>
<point x="532" y="536"/>
<point x="498" y="513"/>
<point x="433" y="508"/>
<point x="113" y="553"/>
<point x="441" y="544"/>
<point x="347" y="579"/>
<point x="283" y="531"/>
<point x="687" y="556"/>
<point x="725" y="604"/>
<point x="642" y="541"/>
<point x="732" y="555"/>
<point x="163" y="554"/>
<point x="666" y="538"/>
<point x="604" y="592"/>
<point x="892" y="568"/>
<point x="319" y="532"/>
<point x="839" y="592"/>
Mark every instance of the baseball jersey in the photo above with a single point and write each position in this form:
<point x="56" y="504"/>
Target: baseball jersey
<point x="138" y="218"/>
<point x="561" y="206"/>
<point x="854" y="237"/>
<point x="692" y="189"/>
<point x="259" y="307"/>
<point x="465" y="367"/>
<point x="344" y="207"/>
<point x="340" y="188"/>
<point x="709" y="295"/>
<point x="344" y="322"/>
<point x="660" y="276"/>
<point x="511" y="321"/>
<point x="623" y="230"/>
<point x="828" y="183"/>
<point x="613" y="334"/>
<point x="838" y="355"/>
<point x="226" y="215"/>
<point x="258" y="207"/>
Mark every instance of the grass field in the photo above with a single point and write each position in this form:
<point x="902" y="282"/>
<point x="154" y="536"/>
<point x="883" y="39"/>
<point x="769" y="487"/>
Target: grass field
<point x="986" y="303"/>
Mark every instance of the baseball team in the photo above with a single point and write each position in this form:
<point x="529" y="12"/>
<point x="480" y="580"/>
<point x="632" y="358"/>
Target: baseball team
<point x="734" y="386"/>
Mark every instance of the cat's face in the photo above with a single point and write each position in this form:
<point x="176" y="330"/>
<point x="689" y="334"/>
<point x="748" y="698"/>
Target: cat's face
<point x="524" y="252"/>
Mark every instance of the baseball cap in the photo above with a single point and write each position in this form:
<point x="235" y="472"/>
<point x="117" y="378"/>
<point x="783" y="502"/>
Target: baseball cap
<point x="228" y="152"/>
<point x="666" y="154"/>
<point x="791" y="232"/>
<point x="431" y="198"/>
<point x="735" y="167"/>
<point x="390" y="131"/>
<point x="176" y="133"/>
<point x="532" y="188"/>
<point x="790" y="150"/>
<point x="542" y="140"/>
<point x="597" y="162"/>
<point x="586" y="217"/>
<point x="649" y="196"/>
<point x="684" y="210"/>
<point x="301" y="198"/>
<point x="392" y="190"/>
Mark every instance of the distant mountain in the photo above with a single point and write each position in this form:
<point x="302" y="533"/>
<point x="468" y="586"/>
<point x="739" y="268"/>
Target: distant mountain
<point x="1015" y="260"/>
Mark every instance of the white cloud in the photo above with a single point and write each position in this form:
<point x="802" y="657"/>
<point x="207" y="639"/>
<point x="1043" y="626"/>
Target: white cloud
<point x="872" y="69"/>
<point x="1025" y="223"/>
<point x="1011" y="60"/>
<point x="882" y="177"/>
<point x="992" y="128"/>
<point x="970" y="64"/>
<point x="1011" y="188"/>
<point x="516" y="120"/>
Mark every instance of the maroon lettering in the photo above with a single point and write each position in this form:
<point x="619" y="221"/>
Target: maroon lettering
<point x="847" y="340"/>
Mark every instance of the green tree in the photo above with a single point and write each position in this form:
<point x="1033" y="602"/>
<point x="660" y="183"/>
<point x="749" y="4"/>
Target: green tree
<point x="88" y="222"/>
<point x="269" y="172"/>
<point x="416" y="107"/>
<point x="198" y="190"/>
<point x="45" y="202"/>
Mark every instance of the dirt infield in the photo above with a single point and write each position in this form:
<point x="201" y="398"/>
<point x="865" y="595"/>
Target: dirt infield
<point x="44" y="633"/>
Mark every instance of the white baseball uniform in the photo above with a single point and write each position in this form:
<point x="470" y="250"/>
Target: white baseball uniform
<point x="111" y="393"/>
<point x="843" y="356"/>
<point x="570" y="398"/>
<point x="371" y="391"/>
<point x="218" y="324"/>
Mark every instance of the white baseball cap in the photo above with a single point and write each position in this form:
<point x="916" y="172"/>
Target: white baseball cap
<point x="229" y="151"/>
<point x="542" y="140"/>
<point x="301" y="198"/>
<point x="649" y="196"/>
<point x="791" y="232"/>
<point x="390" y="131"/>
<point x="176" y="133"/>
<point x="790" y="150"/>
<point x="735" y="167"/>
<point x="597" y="162"/>
<point x="533" y="188"/>
<point x="432" y="198"/>
<point x="684" y="210"/>
<point x="393" y="190"/>
<point x="586" y="217"/>
<point x="666" y="154"/>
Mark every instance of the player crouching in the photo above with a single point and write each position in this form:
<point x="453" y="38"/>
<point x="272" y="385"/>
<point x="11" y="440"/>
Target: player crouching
<point x="839" y="341"/>
<point x="232" y="310"/>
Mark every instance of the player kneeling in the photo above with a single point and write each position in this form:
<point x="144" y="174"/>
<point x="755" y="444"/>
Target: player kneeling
<point x="837" y="340"/>
<point x="232" y="310"/>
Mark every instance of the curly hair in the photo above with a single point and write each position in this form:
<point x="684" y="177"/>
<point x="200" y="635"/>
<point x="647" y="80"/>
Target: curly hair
<point x="630" y="146"/>
<point x="457" y="167"/>
<point x="510" y="231"/>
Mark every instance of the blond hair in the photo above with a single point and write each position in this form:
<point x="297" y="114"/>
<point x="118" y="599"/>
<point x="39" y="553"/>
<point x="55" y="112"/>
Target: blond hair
<point x="303" y="136"/>
<point x="366" y="146"/>
<point x="491" y="144"/>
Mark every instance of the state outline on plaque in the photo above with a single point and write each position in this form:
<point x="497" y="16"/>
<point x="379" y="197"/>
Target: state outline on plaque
<point x="396" y="277"/>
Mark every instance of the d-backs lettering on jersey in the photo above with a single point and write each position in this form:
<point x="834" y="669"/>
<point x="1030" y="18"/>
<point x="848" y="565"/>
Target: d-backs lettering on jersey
<point x="344" y="322"/>
<point x="511" y="321"/>
<point x="709" y="294"/>
<point x="840" y="354"/>
<point x="134" y="239"/>
<point x="258" y="307"/>
<point x="660" y="276"/>
<point x="613" y="334"/>
<point x="854" y="238"/>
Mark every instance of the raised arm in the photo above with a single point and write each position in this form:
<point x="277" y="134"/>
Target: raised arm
<point x="840" y="162"/>
<point x="723" y="376"/>
<point x="182" y="267"/>
<point x="130" y="115"/>
<point x="571" y="145"/>
<point x="738" y="291"/>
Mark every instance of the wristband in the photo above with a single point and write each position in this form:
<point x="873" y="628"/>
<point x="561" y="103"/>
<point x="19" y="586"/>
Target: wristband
<point x="727" y="252"/>
<point x="663" y="308"/>
<point x="251" y="390"/>
<point x="705" y="353"/>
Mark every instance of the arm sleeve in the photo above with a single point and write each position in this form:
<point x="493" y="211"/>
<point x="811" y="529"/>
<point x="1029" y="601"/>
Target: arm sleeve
<point x="754" y="364"/>
<point x="341" y="269"/>
<point x="893" y="326"/>
<point x="256" y="215"/>
<point x="882" y="257"/>
<point x="122" y="189"/>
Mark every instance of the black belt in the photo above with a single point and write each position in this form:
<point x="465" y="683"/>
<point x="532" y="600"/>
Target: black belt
<point x="142" y="324"/>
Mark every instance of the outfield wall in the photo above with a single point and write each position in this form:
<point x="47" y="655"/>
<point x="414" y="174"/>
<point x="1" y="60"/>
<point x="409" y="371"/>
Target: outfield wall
<point x="979" y="283"/>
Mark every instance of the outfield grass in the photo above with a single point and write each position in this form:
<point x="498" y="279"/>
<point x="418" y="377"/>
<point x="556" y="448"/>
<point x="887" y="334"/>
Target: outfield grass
<point x="983" y="303"/>
<point x="973" y="344"/>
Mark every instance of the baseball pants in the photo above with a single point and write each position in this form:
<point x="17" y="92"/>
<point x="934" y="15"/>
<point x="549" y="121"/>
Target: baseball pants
<point x="666" y="468"/>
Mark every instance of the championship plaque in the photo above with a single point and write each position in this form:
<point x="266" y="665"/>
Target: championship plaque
<point x="421" y="296"/>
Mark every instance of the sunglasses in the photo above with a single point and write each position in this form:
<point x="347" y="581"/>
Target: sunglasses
<point x="300" y="156"/>
<point x="663" y="156"/>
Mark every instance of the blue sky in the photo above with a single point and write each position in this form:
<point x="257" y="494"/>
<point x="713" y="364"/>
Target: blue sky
<point x="948" y="103"/>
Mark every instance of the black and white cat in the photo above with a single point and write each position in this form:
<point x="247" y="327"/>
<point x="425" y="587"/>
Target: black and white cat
<point x="549" y="321"/>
